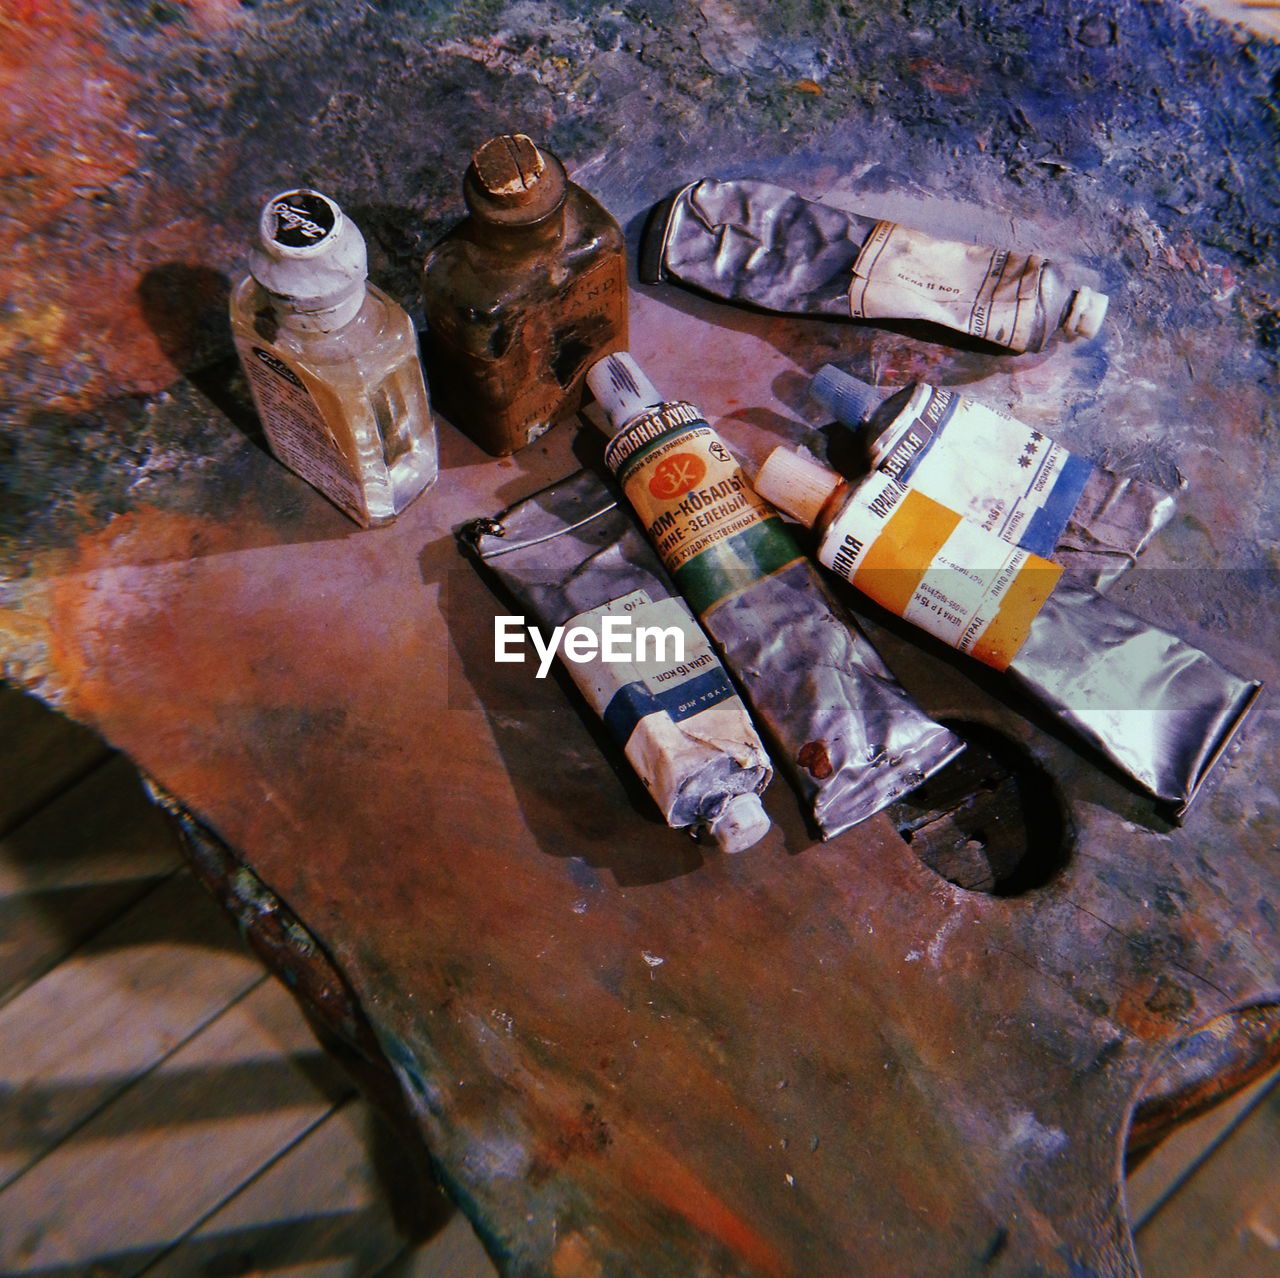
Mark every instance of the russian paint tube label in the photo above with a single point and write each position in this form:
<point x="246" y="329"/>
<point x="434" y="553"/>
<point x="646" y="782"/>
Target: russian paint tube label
<point x="945" y="574"/>
<point x="991" y="468"/>
<point x="713" y="531"/>
<point x="296" y="430"/>
<point x="669" y="668"/>
<point x="991" y="293"/>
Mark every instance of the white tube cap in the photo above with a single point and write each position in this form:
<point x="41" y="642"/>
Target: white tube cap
<point x="621" y="387"/>
<point x="796" y="484"/>
<point x="742" y="823"/>
<point x="1088" y="310"/>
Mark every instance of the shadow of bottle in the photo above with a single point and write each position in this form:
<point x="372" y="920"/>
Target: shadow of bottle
<point x="186" y="308"/>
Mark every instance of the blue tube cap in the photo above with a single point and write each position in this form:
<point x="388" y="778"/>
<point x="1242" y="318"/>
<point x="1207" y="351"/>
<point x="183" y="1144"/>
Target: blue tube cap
<point x="847" y="399"/>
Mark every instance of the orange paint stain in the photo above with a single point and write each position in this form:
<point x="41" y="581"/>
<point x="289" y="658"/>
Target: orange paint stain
<point x="942" y="79"/>
<point x="26" y="636"/>
<point x="65" y="108"/>
<point x="73" y="157"/>
<point x="93" y="597"/>
<point x="662" y="1176"/>
<point x="65" y="102"/>
<point x="573" y="1258"/>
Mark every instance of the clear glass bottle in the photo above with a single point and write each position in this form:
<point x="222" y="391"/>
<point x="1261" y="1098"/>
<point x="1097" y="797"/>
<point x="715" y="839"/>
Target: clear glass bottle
<point x="522" y="297"/>
<point x="333" y="362"/>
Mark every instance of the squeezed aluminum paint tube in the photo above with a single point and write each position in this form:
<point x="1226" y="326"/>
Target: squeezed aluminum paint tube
<point x="1013" y="480"/>
<point x="764" y="245"/>
<point x="852" y="739"/>
<point x="571" y="556"/>
<point x="1160" y="709"/>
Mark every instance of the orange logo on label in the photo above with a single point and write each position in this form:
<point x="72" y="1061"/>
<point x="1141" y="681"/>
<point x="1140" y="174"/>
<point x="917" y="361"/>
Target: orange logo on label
<point x="676" y="474"/>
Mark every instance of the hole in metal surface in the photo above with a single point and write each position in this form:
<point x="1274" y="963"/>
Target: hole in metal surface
<point x="992" y="821"/>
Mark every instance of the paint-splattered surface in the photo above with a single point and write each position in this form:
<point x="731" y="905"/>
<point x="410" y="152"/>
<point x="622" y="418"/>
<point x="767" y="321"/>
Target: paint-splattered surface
<point x="627" y="1056"/>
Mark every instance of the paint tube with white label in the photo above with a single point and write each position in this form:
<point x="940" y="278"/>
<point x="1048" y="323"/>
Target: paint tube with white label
<point x="763" y="245"/>
<point x="851" y="737"/>
<point x="572" y="557"/>
<point x="995" y="470"/>
<point x="1158" y="708"/>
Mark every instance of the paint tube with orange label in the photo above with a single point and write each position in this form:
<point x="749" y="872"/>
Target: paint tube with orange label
<point x="1160" y="709"/>
<point x="852" y="739"/>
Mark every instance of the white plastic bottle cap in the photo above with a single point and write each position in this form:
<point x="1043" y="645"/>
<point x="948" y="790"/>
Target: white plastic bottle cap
<point x="621" y="387"/>
<point x="312" y="255"/>
<point x="796" y="484"/>
<point x="743" y="822"/>
<point x="1088" y="310"/>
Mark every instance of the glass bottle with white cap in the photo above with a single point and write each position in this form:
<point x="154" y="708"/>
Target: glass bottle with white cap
<point x="333" y="362"/>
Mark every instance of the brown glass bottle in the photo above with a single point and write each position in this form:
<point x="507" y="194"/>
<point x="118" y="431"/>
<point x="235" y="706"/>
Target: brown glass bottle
<point x="522" y="297"/>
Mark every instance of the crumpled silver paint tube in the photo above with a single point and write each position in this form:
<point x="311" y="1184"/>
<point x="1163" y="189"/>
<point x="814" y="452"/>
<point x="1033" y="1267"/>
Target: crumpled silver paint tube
<point x="1158" y="708"/>
<point x="852" y="739"/>
<point x="763" y="245"/>
<point x="992" y="468"/>
<point x="572" y="557"/>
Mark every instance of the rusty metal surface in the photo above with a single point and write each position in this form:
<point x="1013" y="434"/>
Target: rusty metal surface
<point x="626" y="1055"/>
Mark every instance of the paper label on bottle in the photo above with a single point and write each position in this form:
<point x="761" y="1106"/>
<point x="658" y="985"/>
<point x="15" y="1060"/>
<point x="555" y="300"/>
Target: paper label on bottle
<point x="989" y="467"/>
<point x="591" y="313"/>
<point x="658" y="663"/>
<point x="513" y="371"/>
<point x="296" y="430"/>
<point x="945" y="574"/>
<point x="713" y="531"/>
<point x="990" y="293"/>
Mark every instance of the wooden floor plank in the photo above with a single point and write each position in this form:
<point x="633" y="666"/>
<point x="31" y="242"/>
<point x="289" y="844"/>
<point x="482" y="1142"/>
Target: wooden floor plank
<point x="156" y="1161"/>
<point x="110" y="1012"/>
<point x="73" y="866"/>
<point x="1159" y="1174"/>
<point x="455" y="1252"/>
<point x="1223" y="1220"/>
<point x="40" y="754"/>
<point x="318" y="1210"/>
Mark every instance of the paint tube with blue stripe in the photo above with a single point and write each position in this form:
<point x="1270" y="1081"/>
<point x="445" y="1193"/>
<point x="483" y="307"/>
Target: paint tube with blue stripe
<point x="572" y="557"/>
<point x="851" y="738"/>
<point x="993" y="469"/>
<point x="1158" y="708"/>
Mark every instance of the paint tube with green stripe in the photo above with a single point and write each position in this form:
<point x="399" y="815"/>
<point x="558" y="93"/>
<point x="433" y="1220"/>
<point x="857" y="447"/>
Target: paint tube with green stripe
<point x="852" y="739"/>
